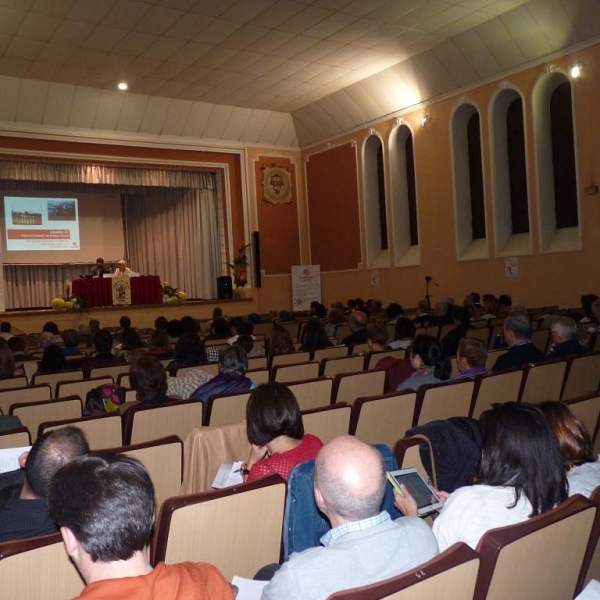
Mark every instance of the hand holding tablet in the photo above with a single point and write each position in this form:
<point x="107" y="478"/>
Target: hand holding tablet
<point x="414" y="490"/>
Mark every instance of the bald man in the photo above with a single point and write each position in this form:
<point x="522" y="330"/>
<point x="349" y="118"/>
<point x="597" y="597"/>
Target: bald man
<point x="358" y="328"/>
<point x="364" y="545"/>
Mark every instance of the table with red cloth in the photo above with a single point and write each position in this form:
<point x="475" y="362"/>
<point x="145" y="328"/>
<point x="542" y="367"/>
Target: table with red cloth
<point x="145" y="289"/>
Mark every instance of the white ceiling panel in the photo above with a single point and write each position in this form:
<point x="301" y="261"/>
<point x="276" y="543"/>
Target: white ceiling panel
<point x="9" y="98"/>
<point x="109" y="109"/>
<point x="11" y="19"/>
<point x="455" y="63"/>
<point x="84" y="107"/>
<point x="526" y="33"/>
<point x="554" y="23"/>
<point x="272" y="129"/>
<point x="32" y="101"/>
<point x="58" y="104"/>
<point x="255" y="125"/>
<point x="155" y="115"/>
<point x="197" y="120"/>
<point x="584" y="16"/>
<point x="237" y="123"/>
<point x="473" y="48"/>
<point x="132" y="112"/>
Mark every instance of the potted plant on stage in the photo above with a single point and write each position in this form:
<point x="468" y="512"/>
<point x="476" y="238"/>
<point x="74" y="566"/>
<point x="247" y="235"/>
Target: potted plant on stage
<point x="239" y="271"/>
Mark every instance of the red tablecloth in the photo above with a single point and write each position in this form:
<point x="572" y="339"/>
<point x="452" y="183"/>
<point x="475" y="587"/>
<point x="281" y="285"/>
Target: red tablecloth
<point x="98" y="292"/>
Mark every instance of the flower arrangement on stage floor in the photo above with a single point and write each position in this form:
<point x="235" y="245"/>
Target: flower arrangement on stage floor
<point x="71" y="302"/>
<point x="172" y="294"/>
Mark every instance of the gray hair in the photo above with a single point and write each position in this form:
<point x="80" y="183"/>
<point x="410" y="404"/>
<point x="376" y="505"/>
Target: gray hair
<point x="519" y="325"/>
<point x="565" y="327"/>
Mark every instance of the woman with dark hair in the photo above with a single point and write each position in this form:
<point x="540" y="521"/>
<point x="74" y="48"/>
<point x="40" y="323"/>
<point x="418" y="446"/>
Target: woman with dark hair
<point x="7" y="363"/>
<point x="231" y="378"/>
<point x="404" y="334"/>
<point x="189" y="351"/>
<point x="130" y="339"/>
<point x="275" y="430"/>
<point x="581" y="463"/>
<point x="521" y="476"/>
<point x="53" y="360"/>
<point x="148" y="378"/>
<point x="159" y="345"/>
<point x="313" y="336"/>
<point x="280" y="341"/>
<point x="428" y="361"/>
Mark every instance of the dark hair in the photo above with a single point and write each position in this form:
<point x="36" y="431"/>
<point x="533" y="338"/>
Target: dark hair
<point x="107" y="501"/>
<point x="505" y="299"/>
<point x="16" y="343"/>
<point x="240" y="326"/>
<point x="103" y="341"/>
<point x="190" y="345"/>
<point x="280" y="341"/>
<point x="430" y="351"/>
<point x="217" y="312"/>
<point x="100" y="260"/>
<point x="51" y="327"/>
<point x="189" y="325"/>
<point x="520" y="450"/>
<point x="318" y="309"/>
<point x="377" y="333"/>
<point x="124" y="322"/>
<point x="335" y="316"/>
<point x="161" y="322"/>
<point x="272" y="411"/>
<point x="245" y="342"/>
<point x="314" y="336"/>
<point x="5" y="327"/>
<point x="131" y="339"/>
<point x="53" y="359"/>
<point x="71" y="338"/>
<point x="49" y="453"/>
<point x="94" y="326"/>
<point x="586" y="304"/>
<point x="219" y="328"/>
<point x="405" y="328"/>
<point x="473" y="350"/>
<point x="159" y="339"/>
<point x="574" y="441"/>
<point x="394" y="310"/>
<point x="174" y="328"/>
<point x="7" y="361"/>
<point x="233" y="361"/>
<point x="147" y="377"/>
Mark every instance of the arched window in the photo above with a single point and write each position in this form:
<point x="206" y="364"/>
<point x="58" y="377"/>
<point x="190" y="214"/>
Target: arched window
<point x="556" y="164"/>
<point x="375" y="206"/>
<point x="404" y="198"/>
<point x="469" y="202"/>
<point x="509" y="175"/>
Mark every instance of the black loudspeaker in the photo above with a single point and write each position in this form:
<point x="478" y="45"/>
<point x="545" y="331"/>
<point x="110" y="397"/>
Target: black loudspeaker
<point x="256" y="247"/>
<point x="224" y="288"/>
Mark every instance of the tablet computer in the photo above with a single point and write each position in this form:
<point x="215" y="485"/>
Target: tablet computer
<point x="424" y="496"/>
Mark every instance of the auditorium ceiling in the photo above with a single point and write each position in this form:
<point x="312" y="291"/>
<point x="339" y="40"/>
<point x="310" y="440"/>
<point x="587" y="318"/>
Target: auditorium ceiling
<point x="273" y="72"/>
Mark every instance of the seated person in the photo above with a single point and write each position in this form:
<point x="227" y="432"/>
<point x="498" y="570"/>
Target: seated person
<point x="53" y="360"/>
<point x="17" y="347"/>
<point x="159" y="345"/>
<point x="580" y="460"/>
<point x="100" y="269"/>
<point x="405" y="333"/>
<point x="521" y="475"/>
<point x="71" y="339"/>
<point x="430" y="364"/>
<point x="563" y="332"/>
<point x="358" y="329"/>
<point x="149" y="379"/>
<point x="106" y="526"/>
<point x="7" y="363"/>
<point x="313" y="337"/>
<point x="104" y="357"/>
<point x="280" y="341"/>
<point x="26" y="515"/>
<point x="377" y="336"/>
<point x="122" y="269"/>
<point x="364" y="545"/>
<point x="50" y="335"/>
<point x="231" y="378"/>
<point x="470" y="358"/>
<point x="246" y="342"/>
<point x="276" y="432"/>
<point x="189" y="351"/>
<point x="5" y="333"/>
<point x="521" y="351"/>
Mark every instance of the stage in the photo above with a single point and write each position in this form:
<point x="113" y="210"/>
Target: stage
<point x="143" y="316"/>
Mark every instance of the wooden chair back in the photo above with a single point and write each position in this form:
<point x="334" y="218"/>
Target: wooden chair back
<point x="372" y="358"/>
<point x="33" y="414"/>
<point x="496" y="388"/>
<point x="493" y="356"/>
<point x="543" y="381"/>
<point x="15" y="438"/>
<point x="380" y="419"/>
<point x="327" y="422"/>
<point x="347" y="387"/>
<point x="331" y="352"/>
<point x="80" y="388"/>
<point x="257" y="362"/>
<point x="450" y="575"/>
<point x="102" y="431"/>
<point x="289" y="359"/>
<point x="146" y="423"/>
<point x="587" y="408"/>
<point x="113" y="371"/>
<point x="258" y="376"/>
<point x="540" y="338"/>
<point x="295" y="372"/>
<point x="591" y="563"/>
<point x="313" y="393"/>
<point x="225" y="409"/>
<point x="480" y="333"/>
<point x="52" y="379"/>
<point x="583" y="376"/>
<point x="237" y="529"/>
<point x="408" y="454"/>
<point x="539" y="558"/>
<point x="341" y="332"/>
<point x="442" y="401"/>
<point x="38" y="568"/>
<point x="330" y="367"/>
<point x="35" y="393"/>
<point x="13" y="382"/>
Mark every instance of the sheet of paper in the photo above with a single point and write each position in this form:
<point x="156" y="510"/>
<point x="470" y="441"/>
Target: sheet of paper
<point x="9" y="458"/>
<point x="248" y="589"/>
<point x="591" y="591"/>
<point x="228" y="474"/>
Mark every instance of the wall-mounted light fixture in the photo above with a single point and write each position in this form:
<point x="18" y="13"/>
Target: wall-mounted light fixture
<point x="576" y="71"/>
<point x="426" y="119"/>
<point x="123" y="86"/>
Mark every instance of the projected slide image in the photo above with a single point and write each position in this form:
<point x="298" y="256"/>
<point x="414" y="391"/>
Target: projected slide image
<point x="41" y="223"/>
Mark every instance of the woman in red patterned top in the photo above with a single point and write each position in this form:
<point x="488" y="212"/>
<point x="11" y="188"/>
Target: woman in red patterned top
<point x="276" y="432"/>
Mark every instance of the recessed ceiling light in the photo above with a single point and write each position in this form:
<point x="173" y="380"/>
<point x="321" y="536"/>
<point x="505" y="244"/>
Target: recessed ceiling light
<point x="123" y="86"/>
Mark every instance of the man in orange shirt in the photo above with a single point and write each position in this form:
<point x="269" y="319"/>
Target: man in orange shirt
<point x="104" y="506"/>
